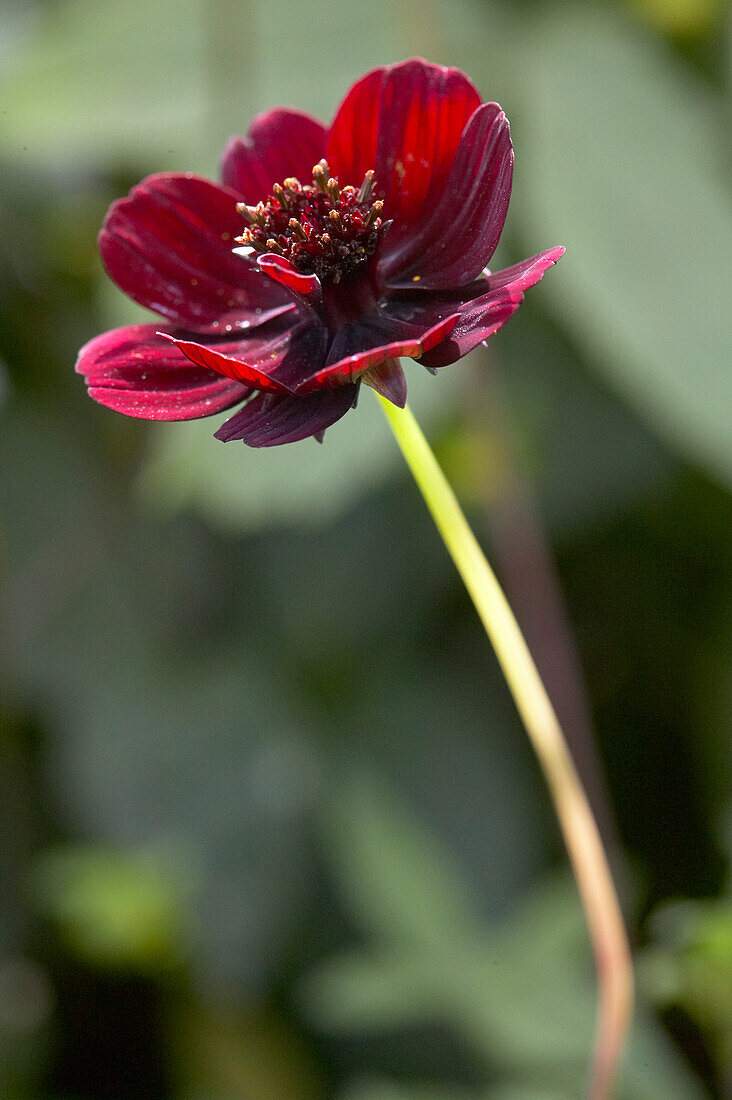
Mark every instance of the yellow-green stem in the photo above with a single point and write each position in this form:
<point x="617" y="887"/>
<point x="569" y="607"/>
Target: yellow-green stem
<point x="581" y="836"/>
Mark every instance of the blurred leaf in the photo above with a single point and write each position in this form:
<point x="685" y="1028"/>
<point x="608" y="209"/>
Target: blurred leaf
<point x="619" y="160"/>
<point x="318" y="59"/>
<point x="521" y="992"/>
<point x="690" y="965"/>
<point x="356" y="992"/>
<point x="26" y="1011"/>
<point x="241" y="1055"/>
<point x="584" y="455"/>
<point x="169" y="722"/>
<point x="113" y="908"/>
<point x="390" y="1090"/>
<point x="164" y="83"/>
<point x="404" y="891"/>
<point x="208" y="761"/>
<point x="105" y="78"/>
<point x="526" y="1092"/>
<point x="440" y="723"/>
<point x="683" y="17"/>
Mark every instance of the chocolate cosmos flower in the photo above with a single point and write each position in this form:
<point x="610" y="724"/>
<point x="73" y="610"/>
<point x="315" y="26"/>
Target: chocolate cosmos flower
<point x="284" y="296"/>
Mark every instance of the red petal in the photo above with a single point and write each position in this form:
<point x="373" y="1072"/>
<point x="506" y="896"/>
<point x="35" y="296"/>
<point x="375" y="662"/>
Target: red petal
<point x="478" y="321"/>
<point x="276" y="360"/>
<point x="487" y="306"/>
<point x="268" y="420"/>
<point x="389" y="380"/>
<point x="282" y="271"/>
<point x="404" y="121"/>
<point x="526" y="274"/>
<point x="280" y="143"/>
<point x="369" y="342"/>
<point x="135" y="371"/>
<point x="461" y="232"/>
<point x="169" y="247"/>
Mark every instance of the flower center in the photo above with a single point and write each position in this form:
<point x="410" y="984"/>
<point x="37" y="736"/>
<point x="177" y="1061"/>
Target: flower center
<point x="321" y="228"/>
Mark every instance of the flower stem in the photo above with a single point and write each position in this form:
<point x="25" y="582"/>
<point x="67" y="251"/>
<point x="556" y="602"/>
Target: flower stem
<point x="581" y="836"/>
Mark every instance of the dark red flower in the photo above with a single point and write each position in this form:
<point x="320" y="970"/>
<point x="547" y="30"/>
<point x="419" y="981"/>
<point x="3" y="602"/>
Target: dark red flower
<point x="380" y="253"/>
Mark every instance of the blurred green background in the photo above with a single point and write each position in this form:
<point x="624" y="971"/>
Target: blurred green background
<point x="270" y="827"/>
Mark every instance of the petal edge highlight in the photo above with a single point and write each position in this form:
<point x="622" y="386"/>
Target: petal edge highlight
<point x="275" y="359"/>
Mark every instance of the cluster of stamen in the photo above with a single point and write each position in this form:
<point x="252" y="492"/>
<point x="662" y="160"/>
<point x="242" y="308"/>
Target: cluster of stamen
<point x="321" y="228"/>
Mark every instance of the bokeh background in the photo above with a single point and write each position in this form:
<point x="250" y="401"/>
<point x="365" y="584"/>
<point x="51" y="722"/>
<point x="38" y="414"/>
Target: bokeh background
<point x="270" y="827"/>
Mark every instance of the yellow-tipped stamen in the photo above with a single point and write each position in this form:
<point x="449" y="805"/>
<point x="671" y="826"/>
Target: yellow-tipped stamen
<point x="364" y="191"/>
<point x="321" y="174"/>
<point x="297" y="229"/>
<point x="280" y="194"/>
<point x="252" y="214"/>
<point x="374" y="212"/>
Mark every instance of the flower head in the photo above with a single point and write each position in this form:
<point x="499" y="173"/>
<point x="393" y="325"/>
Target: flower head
<point x="325" y="254"/>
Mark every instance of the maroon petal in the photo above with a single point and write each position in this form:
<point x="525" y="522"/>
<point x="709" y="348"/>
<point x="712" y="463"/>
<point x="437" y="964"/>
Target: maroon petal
<point x="268" y="420"/>
<point x="365" y="344"/>
<point x="480" y="320"/>
<point x="280" y="269"/>
<point x="389" y="380"/>
<point x="213" y="360"/>
<point x="169" y="247"/>
<point x="526" y="274"/>
<point x="280" y="143"/>
<point x="277" y="359"/>
<point x="461" y="232"/>
<point x="484" y="307"/>
<point x="135" y="371"/>
<point x="404" y="121"/>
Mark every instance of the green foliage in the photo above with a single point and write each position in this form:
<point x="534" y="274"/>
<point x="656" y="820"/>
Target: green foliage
<point x="690" y="966"/>
<point x="621" y="163"/>
<point x="113" y="909"/>
<point x="682" y="17"/>
<point x="520" y="993"/>
<point x="203" y="74"/>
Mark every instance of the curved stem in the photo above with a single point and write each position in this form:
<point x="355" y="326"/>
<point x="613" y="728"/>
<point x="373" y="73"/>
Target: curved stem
<point x="530" y="581"/>
<point x="581" y="836"/>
